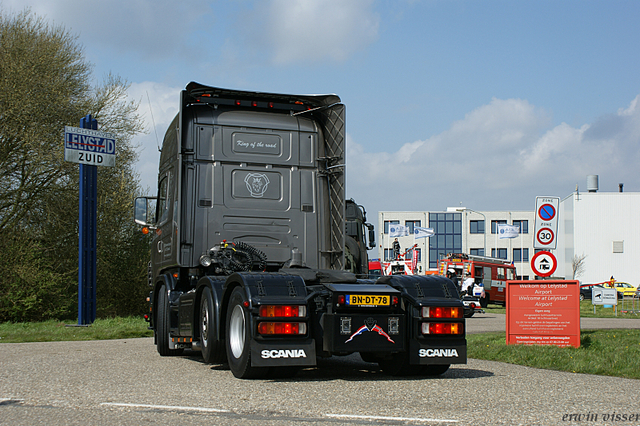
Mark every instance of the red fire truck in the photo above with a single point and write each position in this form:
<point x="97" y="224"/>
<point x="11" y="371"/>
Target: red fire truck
<point x="402" y="265"/>
<point x="491" y="272"/>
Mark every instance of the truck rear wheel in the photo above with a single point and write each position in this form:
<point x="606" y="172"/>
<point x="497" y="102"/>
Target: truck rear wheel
<point x="163" y="325"/>
<point x="238" y="336"/>
<point x="212" y="349"/>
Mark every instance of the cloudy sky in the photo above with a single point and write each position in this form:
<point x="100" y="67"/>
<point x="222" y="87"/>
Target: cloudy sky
<point x="482" y="104"/>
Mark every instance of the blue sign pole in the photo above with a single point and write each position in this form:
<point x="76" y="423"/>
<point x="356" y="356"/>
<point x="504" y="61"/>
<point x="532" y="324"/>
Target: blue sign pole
<point x="87" y="236"/>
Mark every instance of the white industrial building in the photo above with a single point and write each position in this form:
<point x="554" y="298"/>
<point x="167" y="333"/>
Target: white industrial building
<point x="603" y="228"/>
<point x="461" y="230"/>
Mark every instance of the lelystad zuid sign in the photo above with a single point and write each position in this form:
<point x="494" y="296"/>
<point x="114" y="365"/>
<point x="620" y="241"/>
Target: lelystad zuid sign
<point x="92" y="147"/>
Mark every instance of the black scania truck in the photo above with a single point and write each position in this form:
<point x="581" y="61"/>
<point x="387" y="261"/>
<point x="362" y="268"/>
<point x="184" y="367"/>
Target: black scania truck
<point x="256" y="252"/>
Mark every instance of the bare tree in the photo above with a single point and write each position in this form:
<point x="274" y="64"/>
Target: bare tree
<point x="577" y="264"/>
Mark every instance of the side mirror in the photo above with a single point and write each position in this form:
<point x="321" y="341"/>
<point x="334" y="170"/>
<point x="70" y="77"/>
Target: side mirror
<point x="144" y="211"/>
<point x="372" y="235"/>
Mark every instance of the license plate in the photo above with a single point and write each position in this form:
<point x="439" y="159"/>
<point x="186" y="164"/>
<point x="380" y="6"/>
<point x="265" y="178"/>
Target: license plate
<point x="368" y="300"/>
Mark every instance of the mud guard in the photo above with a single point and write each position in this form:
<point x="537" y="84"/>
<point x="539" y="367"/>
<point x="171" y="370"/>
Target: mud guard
<point x="272" y="288"/>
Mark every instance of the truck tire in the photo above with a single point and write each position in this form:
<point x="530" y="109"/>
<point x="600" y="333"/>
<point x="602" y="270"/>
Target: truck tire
<point x="237" y="339"/>
<point x="163" y="327"/>
<point x="484" y="301"/>
<point x="212" y="349"/>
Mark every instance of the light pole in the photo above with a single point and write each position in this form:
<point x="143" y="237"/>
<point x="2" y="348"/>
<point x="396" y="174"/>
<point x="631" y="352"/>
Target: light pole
<point x="484" y="231"/>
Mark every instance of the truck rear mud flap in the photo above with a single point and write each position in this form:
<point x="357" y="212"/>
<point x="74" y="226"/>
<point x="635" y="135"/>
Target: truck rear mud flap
<point x="362" y="332"/>
<point x="439" y="352"/>
<point x="275" y="353"/>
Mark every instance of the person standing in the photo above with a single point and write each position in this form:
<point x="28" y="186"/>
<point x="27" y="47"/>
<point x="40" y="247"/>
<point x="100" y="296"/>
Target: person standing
<point x="467" y="285"/>
<point x="453" y="276"/>
<point x="396" y="249"/>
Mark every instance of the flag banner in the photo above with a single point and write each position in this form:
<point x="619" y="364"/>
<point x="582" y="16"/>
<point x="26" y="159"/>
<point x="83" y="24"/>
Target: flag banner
<point x="419" y="232"/>
<point x="414" y="260"/>
<point x="398" y="231"/>
<point x="508" y="231"/>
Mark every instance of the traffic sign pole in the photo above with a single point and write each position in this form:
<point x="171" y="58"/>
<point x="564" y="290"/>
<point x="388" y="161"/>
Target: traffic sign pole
<point x="546" y="223"/>
<point x="87" y="236"/>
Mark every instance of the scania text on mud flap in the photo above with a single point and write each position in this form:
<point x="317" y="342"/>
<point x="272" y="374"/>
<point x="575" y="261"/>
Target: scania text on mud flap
<point x="258" y="259"/>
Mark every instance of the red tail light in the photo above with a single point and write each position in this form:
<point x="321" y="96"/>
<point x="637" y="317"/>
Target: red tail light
<point x="283" y="311"/>
<point x="442" y="328"/>
<point x="442" y="312"/>
<point x="271" y="328"/>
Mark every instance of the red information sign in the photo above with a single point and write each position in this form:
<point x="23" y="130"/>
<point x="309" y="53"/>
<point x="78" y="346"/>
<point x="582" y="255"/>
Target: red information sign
<point x="543" y="312"/>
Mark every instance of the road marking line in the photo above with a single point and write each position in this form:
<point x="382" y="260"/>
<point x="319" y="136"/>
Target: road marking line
<point x="403" y="419"/>
<point x="165" y="407"/>
<point x="7" y="401"/>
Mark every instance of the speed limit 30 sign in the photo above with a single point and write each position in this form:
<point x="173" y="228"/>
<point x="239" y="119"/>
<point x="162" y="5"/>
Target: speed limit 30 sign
<point x="545" y="236"/>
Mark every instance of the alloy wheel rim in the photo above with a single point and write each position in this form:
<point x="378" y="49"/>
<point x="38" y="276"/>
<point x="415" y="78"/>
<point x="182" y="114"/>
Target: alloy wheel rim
<point x="236" y="331"/>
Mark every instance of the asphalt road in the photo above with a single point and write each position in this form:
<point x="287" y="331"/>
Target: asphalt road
<point x="482" y="323"/>
<point x="125" y="382"/>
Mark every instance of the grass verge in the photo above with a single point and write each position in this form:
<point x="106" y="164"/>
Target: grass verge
<point x="601" y="352"/>
<point x="54" y="331"/>
<point x="586" y="309"/>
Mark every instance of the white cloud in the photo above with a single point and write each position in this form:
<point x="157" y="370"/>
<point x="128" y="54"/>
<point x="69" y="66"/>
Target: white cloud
<point x="313" y="30"/>
<point x="632" y="109"/>
<point x="500" y="156"/>
<point x="158" y="105"/>
<point x="146" y="28"/>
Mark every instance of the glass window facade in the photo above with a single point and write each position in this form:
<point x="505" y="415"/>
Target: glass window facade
<point x="523" y="224"/>
<point x="476" y="226"/>
<point x="390" y="222"/>
<point x="476" y="251"/>
<point x="411" y="224"/>
<point x="521" y="255"/>
<point x="500" y="253"/>
<point x="388" y="254"/>
<point x="409" y="254"/>
<point x="494" y="225"/>
<point x="447" y="238"/>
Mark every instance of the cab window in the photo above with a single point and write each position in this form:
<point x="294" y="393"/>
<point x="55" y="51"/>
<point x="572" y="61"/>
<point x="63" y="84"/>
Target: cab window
<point x="477" y="272"/>
<point x="501" y="273"/>
<point x="163" y="200"/>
